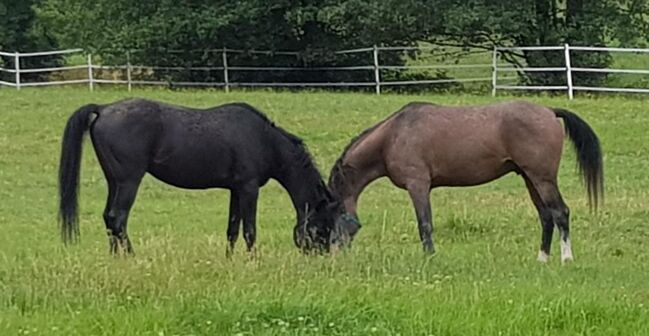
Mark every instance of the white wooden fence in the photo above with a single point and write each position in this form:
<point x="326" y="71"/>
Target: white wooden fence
<point x="496" y="67"/>
<point x="568" y="69"/>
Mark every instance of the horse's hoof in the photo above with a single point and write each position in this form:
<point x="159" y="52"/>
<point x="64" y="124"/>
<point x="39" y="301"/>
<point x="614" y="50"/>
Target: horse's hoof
<point x="566" y="252"/>
<point x="128" y="250"/>
<point x="567" y="260"/>
<point x="429" y="250"/>
<point x="253" y="254"/>
<point x="543" y="257"/>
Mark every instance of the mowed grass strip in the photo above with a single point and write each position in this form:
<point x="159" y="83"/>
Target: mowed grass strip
<point x="484" y="279"/>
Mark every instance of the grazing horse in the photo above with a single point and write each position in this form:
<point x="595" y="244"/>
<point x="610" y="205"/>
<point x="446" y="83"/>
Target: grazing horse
<point x="233" y="146"/>
<point x="423" y="146"/>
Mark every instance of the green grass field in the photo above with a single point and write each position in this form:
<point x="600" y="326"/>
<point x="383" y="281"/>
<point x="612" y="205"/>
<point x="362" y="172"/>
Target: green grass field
<point x="484" y="280"/>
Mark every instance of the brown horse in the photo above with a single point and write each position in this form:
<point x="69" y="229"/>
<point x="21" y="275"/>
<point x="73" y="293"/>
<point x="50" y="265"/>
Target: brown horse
<point x="423" y="146"/>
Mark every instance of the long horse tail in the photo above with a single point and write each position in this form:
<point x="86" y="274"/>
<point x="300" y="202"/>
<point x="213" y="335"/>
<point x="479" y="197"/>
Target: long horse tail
<point x="589" y="154"/>
<point x="69" y="167"/>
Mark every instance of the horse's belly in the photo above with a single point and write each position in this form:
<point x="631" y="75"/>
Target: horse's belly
<point x="194" y="169"/>
<point x="190" y="177"/>
<point x="476" y="173"/>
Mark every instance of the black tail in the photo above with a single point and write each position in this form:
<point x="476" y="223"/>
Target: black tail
<point x="69" y="171"/>
<point x="589" y="154"/>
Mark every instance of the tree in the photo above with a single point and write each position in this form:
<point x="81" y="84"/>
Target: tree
<point x="172" y="32"/>
<point x="176" y="33"/>
<point x="21" y="31"/>
<point x="489" y="23"/>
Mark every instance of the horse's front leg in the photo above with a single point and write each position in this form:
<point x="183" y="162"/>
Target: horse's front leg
<point x="248" y="205"/>
<point x="419" y="192"/>
<point x="234" y="221"/>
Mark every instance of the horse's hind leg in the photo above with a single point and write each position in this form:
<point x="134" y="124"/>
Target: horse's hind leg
<point x="552" y="211"/>
<point x="561" y="215"/>
<point x="123" y="159"/>
<point x="547" y="223"/>
<point x="419" y="192"/>
<point x="248" y="196"/>
<point x="120" y="201"/>
<point x="234" y="221"/>
<point x="108" y="220"/>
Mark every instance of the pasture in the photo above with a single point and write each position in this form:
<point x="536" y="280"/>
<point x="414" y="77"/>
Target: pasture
<point x="484" y="279"/>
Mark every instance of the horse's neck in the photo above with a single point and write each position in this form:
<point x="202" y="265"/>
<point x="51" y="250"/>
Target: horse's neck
<point x="365" y="158"/>
<point x="301" y="183"/>
<point x="356" y="175"/>
<point x="362" y="163"/>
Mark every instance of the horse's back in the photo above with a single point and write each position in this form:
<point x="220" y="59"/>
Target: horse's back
<point x="479" y="122"/>
<point x="471" y="145"/>
<point x="141" y="119"/>
<point x="185" y="147"/>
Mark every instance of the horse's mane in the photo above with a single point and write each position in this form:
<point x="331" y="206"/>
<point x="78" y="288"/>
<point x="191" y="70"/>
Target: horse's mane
<point x="293" y="138"/>
<point x="302" y="155"/>
<point x="337" y="175"/>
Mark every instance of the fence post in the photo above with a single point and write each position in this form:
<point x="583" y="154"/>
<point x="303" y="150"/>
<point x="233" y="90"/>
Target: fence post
<point x="128" y="70"/>
<point x="377" y="75"/>
<point x="17" y="68"/>
<point x="568" y="71"/>
<point x="90" y="78"/>
<point x="226" y="79"/>
<point x="494" y="71"/>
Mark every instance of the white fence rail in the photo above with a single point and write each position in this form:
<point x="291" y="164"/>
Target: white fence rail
<point x="568" y="69"/>
<point x="498" y="70"/>
<point x="373" y="67"/>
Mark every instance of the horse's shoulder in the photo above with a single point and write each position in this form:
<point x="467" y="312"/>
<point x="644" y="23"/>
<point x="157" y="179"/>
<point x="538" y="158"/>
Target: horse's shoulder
<point x="413" y="111"/>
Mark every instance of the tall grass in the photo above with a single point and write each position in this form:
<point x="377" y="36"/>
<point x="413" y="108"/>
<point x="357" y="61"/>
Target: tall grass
<point x="484" y="280"/>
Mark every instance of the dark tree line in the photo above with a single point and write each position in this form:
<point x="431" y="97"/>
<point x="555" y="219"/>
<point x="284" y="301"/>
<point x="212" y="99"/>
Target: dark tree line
<point x="20" y="30"/>
<point x="153" y="30"/>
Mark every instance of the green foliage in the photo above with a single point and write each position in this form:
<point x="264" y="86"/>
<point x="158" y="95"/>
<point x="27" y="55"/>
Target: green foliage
<point x="158" y="30"/>
<point x="181" y="33"/>
<point x="21" y="31"/>
<point x="482" y="23"/>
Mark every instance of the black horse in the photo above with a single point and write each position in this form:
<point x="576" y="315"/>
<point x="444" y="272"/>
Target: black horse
<point x="232" y="146"/>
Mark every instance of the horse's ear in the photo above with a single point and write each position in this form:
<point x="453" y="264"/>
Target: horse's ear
<point x="323" y="204"/>
<point x="328" y="202"/>
<point x="328" y="205"/>
<point x="328" y="193"/>
<point x="333" y="205"/>
<point x="325" y="191"/>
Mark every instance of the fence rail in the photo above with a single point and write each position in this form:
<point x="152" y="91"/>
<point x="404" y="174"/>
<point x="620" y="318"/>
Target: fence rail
<point x="373" y="66"/>
<point x="568" y="69"/>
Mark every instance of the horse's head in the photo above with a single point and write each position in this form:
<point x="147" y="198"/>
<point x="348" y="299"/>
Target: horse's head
<point x="347" y="225"/>
<point x="325" y="226"/>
